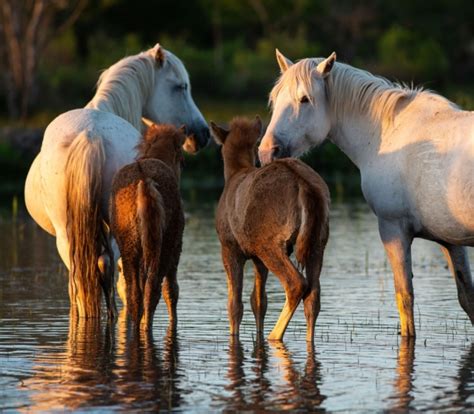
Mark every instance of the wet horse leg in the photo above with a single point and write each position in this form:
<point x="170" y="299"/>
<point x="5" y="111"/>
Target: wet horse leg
<point x="151" y="297"/>
<point x="121" y="284"/>
<point x="397" y="243"/>
<point x="234" y="262"/>
<point x="294" y="284"/>
<point x="312" y="299"/>
<point x="458" y="263"/>
<point x="258" y="299"/>
<point x="170" y="292"/>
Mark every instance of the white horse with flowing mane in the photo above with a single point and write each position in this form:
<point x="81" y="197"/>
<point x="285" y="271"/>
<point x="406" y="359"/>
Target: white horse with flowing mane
<point x="68" y="186"/>
<point x="414" y="150"/>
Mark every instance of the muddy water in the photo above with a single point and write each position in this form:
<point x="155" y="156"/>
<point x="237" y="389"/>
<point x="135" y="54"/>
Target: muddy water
<point x="51" y="362"/>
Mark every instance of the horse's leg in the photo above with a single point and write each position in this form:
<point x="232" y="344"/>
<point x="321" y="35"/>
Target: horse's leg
<point x="458" y="263"/>
<point x="259" y="296"/>
<point x="151" y="298"/>
<point x="294" y="284"/>
<point x="234" y="262"/>
<point x="121" y="284"/>
<point x="397" y="243"/>
<point x="62" y="245"/>
<point x="170" y="292"/>
<point x="312" y="299"/>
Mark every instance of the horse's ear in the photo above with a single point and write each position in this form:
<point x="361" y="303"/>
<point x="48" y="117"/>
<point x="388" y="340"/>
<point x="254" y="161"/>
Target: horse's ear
<point x="159" y="55"/>
<point x="258" y="125"/>
<point x="219" y="133"/>
<point x="326" y="65"/>
<point x="283" y="61"/>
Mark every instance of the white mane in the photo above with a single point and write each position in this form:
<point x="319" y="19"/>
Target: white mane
<point x="348" y="89"/>
<point x="124" y="88"/>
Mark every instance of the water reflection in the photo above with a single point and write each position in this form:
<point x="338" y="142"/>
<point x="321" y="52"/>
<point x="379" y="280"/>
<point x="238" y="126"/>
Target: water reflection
<point x="98" y="370"/>
<point x="144" y="380"/>
<point x="403" y="393"/>
<point x="301" y="391"/>
<point x="69" y="379"/>
<point x="465" y="389"/>
<point x="261" y="389"/>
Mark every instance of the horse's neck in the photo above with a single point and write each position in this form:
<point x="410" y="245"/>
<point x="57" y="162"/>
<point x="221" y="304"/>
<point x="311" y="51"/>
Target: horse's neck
<point x="235" y="165"/>
<point x="127" y="104"/>
<point x="357" y="136"/>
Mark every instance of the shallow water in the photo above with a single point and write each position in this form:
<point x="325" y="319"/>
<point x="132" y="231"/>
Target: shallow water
<point x="359" y="363"/>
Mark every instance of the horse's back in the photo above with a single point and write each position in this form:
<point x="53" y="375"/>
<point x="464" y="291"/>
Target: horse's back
<point x="424" y="173"/>
<point x="117" y="136"/>
<point x="266" y="201"/>
<point x="125" y="182"/>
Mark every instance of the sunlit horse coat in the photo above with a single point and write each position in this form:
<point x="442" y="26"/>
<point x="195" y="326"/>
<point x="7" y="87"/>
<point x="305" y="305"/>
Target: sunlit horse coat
<point x="68" y="185"/>
<point x="414" y="149"/>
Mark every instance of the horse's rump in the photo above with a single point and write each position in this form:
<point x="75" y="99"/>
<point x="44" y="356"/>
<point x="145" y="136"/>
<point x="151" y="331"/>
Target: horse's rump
<point x="314" y="200"/>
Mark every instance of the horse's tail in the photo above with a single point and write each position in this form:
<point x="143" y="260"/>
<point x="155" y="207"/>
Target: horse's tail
<point x="314" y="200"/>
<point x="86" y="231"/>
<point x="151" y="226"/>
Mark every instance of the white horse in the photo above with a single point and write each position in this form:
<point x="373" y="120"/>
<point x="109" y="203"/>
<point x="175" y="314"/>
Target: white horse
<point x="67" y="188"/>
<point x="414" y="150"/>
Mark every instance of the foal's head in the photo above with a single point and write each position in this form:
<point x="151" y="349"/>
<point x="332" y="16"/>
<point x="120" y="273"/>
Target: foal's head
<point x="239" y="142"/>
<point x="163" y="142"/>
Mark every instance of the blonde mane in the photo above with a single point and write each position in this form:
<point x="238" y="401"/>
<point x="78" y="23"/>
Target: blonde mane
<point x="348" y="89"/>
<point x="124" y="88"/>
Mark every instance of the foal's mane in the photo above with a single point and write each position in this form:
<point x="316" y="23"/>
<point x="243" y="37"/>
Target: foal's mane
<point x="243" y="132"/>
<point x="348" y="89"/>
<point x="159" y="139"/>
<point x="124" y="87"/>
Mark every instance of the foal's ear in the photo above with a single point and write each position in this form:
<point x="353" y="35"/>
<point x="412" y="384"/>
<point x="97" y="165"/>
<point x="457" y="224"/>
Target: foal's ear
<point x="326" y="65"/>
<point x="159" y="54"/>
<point x="219" y="133"/>
<point x="258" y="125"/>
<point x="283" y="61"/>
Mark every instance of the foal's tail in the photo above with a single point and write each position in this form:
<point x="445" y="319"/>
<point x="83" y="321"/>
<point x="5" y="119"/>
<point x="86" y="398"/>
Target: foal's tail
<point x="86" y="231"/>
<point x="314" y="200"/>
<point x="151" y="226"/>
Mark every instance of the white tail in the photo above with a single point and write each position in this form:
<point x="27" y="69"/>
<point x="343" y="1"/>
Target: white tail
<point x="85" y="226"/>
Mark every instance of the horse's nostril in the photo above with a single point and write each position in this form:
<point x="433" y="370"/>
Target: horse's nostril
<point x="276" y="151"/>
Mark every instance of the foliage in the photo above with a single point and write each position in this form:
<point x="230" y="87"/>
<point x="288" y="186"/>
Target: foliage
<point x="228" y="48"/>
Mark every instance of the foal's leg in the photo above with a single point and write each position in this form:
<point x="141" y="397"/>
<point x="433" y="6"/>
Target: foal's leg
<point x="259" y="296"/>
<point x="121" y="284"/>
<point x="234" y="262"/>
<point x="458" y="263"/>
<point x="397" y="243"/>
<point x="151" y="297"/>
<point x="170" y="292"/>
<point x="312" y="299"/>
<point x="294" y="284"/>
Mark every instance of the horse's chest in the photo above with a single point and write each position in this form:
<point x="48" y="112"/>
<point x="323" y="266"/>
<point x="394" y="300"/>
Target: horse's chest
<point x="384" y="192"/>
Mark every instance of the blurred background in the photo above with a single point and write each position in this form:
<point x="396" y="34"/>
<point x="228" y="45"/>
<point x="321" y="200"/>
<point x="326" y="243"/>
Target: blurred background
<point x="52" y="53"/>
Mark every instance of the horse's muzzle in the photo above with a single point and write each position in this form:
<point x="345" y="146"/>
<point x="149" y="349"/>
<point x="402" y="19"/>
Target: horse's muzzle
<point x="273" y="153"/>
<point x="197" y="139"/>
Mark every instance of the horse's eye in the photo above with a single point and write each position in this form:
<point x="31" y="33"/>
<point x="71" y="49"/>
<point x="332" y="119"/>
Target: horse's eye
<point x="304" y="99"/>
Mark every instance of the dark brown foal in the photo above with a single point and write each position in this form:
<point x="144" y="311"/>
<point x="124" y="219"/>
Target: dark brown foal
<point x="264" y="213"/>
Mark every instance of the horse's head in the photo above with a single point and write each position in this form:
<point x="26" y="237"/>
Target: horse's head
<point x="239" y="142"/>
<point x="165" y="143"/>
<point x="301" y="117"/>
<point x="171" y="102"/>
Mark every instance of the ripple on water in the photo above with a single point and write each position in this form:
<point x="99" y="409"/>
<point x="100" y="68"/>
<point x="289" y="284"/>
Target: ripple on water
<point x="359" y="363"/>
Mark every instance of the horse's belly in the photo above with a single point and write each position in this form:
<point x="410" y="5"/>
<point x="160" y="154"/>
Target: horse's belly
<point x="446" y="200"/>
<point x="34" y="198"/>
